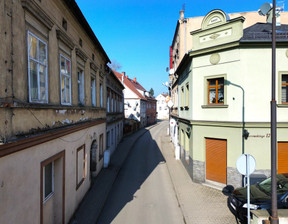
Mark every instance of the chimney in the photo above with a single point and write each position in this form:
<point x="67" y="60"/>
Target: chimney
<point x="123" y="73"/>
<point x="134" y="80"/>
<point x="182" y="15"/>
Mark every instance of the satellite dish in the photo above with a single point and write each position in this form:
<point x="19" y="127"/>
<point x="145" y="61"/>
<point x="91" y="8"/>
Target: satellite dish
<point x="264" y="9"/>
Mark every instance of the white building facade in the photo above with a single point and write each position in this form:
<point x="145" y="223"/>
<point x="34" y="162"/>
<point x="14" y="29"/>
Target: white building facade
<point x="162" y="107"/>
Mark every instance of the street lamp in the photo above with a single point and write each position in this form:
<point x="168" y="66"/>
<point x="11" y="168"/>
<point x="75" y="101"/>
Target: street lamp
<point x="245" y="133"/>
<point x="274" y="214"/>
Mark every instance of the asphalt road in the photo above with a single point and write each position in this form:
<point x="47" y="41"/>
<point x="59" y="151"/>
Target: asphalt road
<point x="143" y="191"/>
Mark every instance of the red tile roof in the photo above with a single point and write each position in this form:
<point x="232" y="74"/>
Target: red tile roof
<point x="137" y="84"/>
<point x="129" y="84"/>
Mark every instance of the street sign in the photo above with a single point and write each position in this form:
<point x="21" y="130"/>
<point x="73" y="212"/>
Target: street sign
<point x="246" y="165"/>
<point x="167" y="99"/>
<point x="244" y="161"/>
<point x="170" y="103"/>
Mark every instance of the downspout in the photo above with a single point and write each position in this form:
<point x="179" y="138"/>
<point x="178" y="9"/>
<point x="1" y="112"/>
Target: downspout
<point x="12" y="52"/>
<point x="9" y="95"/>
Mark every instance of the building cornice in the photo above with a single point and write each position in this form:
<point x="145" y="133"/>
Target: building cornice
<point x="13" y="147"/>
<point x="237" y="124"/>
<point x="37" y="12"/>
<point x="212" y="49"/>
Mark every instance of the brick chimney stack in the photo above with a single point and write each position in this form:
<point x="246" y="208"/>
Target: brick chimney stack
<point x="134" y="80"/>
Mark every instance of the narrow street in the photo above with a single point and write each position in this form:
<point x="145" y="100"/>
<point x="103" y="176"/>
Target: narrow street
<point x="149" y="189"/>
<point x="143" y="191"/>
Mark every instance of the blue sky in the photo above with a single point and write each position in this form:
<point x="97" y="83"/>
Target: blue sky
<point x="137" y="33"/>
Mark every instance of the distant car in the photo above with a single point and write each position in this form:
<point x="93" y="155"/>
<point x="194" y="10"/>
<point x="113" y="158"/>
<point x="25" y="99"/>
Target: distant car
<point x="260" y="197"/>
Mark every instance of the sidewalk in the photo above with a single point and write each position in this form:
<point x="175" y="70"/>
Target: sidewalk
<point x="199" y="204"/>
<point x="93" y="202"/>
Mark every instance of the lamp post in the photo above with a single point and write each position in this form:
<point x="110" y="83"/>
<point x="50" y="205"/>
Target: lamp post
<point x="265" y="9"/>
<point x="274" y="214"/>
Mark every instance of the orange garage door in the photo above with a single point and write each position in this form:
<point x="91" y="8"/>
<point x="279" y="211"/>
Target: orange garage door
<point x="216" y="160"/>
<point x="282" y="157"/>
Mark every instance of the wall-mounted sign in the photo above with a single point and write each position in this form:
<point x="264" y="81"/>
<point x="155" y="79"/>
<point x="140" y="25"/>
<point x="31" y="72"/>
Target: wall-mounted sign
<point x="172" y="122"/>
<point x="260" y="135"/>
<point x="214" y="19"/>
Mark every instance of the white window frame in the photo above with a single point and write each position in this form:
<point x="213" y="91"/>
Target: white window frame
<point x="112" y="103"/>
<point x="52" y="192"/>
<point x="66" y="76"/>
<point x="38" y="64"/>
<point x="108" y="104"/>
<point x="81" y="86"/>
<point x="280" y="89"/>
<point x="101" y="95"/>
<point x="93" y="91"/>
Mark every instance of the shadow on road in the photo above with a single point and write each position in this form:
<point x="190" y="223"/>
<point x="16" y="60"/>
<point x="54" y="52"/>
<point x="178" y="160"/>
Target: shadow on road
<point x="142" y="160"/>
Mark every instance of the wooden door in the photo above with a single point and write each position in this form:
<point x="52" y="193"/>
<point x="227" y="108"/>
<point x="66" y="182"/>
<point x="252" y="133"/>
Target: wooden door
<point x="216" y="160"/>
<point x="282" y="157"/>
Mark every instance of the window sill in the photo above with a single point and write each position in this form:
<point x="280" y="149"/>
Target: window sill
<point x="48" y="197"/>
<point x="214" y="106"/>
<point x="284" y="105"/>
<point x="80" y="183"/>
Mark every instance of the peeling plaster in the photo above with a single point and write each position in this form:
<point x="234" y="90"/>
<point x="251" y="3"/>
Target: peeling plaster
<point x="61" y="111"/>
<point x="67" y="121"/>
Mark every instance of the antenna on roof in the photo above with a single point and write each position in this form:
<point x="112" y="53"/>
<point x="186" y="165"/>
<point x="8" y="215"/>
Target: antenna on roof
<point x="264" y="9"/>
<point x="280" y="6"/>
<point x="183" y="6"/>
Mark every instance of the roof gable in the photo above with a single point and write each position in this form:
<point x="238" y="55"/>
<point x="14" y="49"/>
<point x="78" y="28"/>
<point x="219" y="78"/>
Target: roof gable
<point x="128" y="83"/>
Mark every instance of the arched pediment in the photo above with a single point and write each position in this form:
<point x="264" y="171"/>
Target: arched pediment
<point x="214" y="18"/>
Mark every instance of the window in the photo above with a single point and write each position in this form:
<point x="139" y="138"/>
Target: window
<point x="101" y="147"/>
<point x="101" y="95"/>
<point x="182" y="97"/>
<point x="215" y="88"/>
<point x="108" y="139"/>
<point x="37" y="69"/>
<point x="108" y="104"/>
<point x="48" y="181"/>
<point x="65" y="76"/>
<point x="81" y="95"/>
<point x="115" y="103"/>
<point x="187" y="95"/>
<point x="80" y="169"/>
<point x="112" y="102"/>
<point x="64" y="24"/>
<point x="93" y="92"/>
<point x="284" y="89"/>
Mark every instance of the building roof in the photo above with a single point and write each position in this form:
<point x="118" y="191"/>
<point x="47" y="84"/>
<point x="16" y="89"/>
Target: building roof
<point x="262" y="32"/>
<point x="150" y="98"/>
<point x="137" y="85"/>
<point x="128" y="83"/>
<point x="116" y="78"/>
